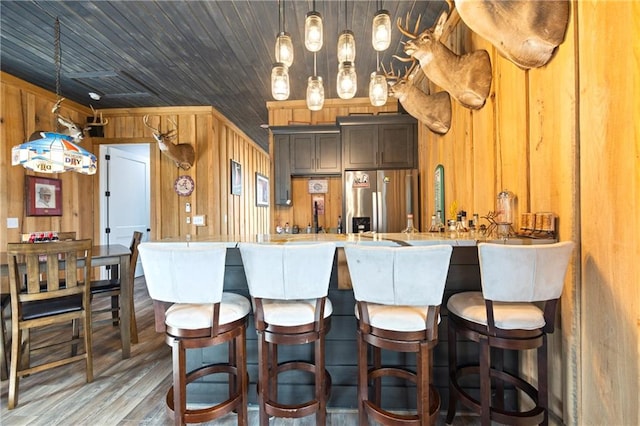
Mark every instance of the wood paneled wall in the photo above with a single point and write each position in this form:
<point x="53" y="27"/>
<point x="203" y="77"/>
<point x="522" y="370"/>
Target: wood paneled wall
<point x="26" y="108"/>
<point x="286" y="113"/>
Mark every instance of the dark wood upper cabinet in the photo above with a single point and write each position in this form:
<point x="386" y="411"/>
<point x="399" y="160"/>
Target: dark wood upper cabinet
<point x="317" y="153"/>
<point x="379" y="142"/>
<point x="282" y="168"/>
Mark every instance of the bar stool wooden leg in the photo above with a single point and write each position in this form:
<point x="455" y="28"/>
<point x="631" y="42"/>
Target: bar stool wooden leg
<point x="363" y="380"/>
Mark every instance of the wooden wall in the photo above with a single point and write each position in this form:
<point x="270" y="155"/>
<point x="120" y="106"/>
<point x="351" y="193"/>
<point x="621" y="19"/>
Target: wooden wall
<point x="26" y="108"/>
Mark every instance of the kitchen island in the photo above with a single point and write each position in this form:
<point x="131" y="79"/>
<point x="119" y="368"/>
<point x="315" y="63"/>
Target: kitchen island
<point x="341" y="349"/>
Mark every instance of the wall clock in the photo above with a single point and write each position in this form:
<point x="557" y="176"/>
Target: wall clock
<point x="184" y="185"/>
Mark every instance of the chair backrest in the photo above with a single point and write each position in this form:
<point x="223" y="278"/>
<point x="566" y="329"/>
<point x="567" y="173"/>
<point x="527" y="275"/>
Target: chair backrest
<point x="27" y="263"/>
<point x="135" y="242"/>
<point x="413" y="276"/>
<point x="184" y="272"/>
<point x="529" y="273"/>
<point x="288" y="272"/>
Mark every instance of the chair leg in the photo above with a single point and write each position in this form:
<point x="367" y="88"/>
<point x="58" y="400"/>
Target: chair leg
<point x="263" y="379"/>
<point x="75" y="335"/>
<point x="423" y="404"/>
<point x="179" y="382"/>
<point x="134" y="323"/>
<point x="88" y="344"/>
<point x="453" y="360"/>
<point x="497" y="358"/>
<point x="115" y="310"/>
<point x="321" y="414"/>
<point x="4" y="361"/>
<point x="377" y="383"/>
<point x="16" y="344"/>
<point x="242" y="379"/>
<point x="485" y="381"/>
<point x="363" y="384"/>
<point x="543" y="377"/>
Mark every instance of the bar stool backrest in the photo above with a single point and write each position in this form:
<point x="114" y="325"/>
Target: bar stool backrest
<point x="288" y="272"/>
<point x="532" y="273"/>
<point x="413" y="276"/>
<point x="184" y="273"/>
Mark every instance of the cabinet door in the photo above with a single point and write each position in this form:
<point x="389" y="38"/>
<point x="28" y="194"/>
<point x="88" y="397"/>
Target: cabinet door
<point x="360" y="147"/>
<point x="282" y="170"/>
<point x="397" y="145"/>
<point x="303" y="153"/>
<point x="328" y="153"/>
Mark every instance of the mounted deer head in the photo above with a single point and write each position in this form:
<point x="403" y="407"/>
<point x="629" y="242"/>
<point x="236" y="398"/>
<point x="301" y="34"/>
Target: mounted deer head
<point x="182" y="154"/>
<point x="525" y="32"/>
<point x="433" y="110"/>
<point x="73" y="129"/>
<point x="466" y="77"/>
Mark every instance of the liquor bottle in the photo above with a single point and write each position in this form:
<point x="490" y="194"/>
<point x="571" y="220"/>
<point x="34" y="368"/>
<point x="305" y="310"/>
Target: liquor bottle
<point x="410" y="229"/>
<point x="339" y="225"/>
<point x="434" y="224"/>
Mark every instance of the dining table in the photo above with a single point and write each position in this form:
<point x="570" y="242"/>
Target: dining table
<point x="117" y="256"/>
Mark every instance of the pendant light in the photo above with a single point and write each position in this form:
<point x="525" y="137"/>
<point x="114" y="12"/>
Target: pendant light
<point x="347" y="80"/>
<point x="315" y="90"/>
<point x="313" y="30"/>
<point x="54" y="152"/>
<point x="284" y="45"/>
<point x="381" y="29"/>
<point x="284" y="59"/>
<point x="378" y="91"/>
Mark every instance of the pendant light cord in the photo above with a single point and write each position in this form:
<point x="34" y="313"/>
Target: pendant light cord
<point x="57" y="61"/>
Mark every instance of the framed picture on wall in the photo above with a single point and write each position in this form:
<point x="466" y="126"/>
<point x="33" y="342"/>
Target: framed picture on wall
<point x="236" y="178"/>
<point x="262" y="190"/>
<point x="43" y="196"/>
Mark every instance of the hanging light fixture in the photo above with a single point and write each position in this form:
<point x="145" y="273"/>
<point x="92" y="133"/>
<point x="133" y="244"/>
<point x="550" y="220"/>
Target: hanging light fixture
<point x="381" y="29"/>
<point x="54" y="152"/>
<point x="284" y="45"/>
<point x="284" y="59"/>
<point x="378" y="91"/>
<point x="347" y="80"/>
<point x="313" y="30"/>
<point x="315" y="90"/>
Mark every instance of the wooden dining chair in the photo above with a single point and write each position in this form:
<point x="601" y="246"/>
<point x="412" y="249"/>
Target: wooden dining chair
<point x="111" y="287"/>
<point x="63" y="298"/>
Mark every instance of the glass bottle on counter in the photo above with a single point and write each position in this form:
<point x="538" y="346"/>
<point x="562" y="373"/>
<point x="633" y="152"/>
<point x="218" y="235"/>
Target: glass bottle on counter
<point x="439" y="222"/>
<point x="410" y="229"/>
<point x="339" y="225"/>
<point x="434" y="224"/>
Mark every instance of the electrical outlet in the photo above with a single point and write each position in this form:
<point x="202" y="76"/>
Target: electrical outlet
<point x="188" y="219"/>
<point x="187" y="207"/>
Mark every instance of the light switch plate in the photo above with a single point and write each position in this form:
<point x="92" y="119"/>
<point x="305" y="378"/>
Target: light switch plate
<point x="198" y="220"/>
<point x="12" y="222"/>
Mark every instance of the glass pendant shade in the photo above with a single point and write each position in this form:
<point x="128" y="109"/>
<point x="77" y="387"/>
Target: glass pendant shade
<point x="315" y="93"/>
<point x="381" y="31"/>
<point x="313" y="31"/>
<point x="346" y="47"/>
<point x="284" y="49"/>
<point x="347" y="80"/>
<point x="280" y="81"/>
<point x="378" y="89"/>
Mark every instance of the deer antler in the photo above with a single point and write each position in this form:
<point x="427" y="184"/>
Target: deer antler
<point x="96" y="122"/>
<point x="405" y="31"/>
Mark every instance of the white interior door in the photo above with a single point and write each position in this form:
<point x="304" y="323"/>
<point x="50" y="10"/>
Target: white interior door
<point x="125" y="190"/>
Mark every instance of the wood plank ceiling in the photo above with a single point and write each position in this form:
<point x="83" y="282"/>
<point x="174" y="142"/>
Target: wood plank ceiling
<point x="173" y="53"/>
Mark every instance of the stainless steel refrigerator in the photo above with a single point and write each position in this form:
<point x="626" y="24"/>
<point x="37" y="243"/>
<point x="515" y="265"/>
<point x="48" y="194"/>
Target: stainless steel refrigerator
<point x="379" y="200"/>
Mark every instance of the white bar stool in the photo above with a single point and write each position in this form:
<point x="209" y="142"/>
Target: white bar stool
<point x="289" y="286"/>
<point x="398" y="292"/>
<point x="506" y="316"/>
<point x="191" y="277"/>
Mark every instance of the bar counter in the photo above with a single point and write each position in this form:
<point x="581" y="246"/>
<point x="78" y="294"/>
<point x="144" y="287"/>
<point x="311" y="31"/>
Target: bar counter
<point x="341" y="349"/>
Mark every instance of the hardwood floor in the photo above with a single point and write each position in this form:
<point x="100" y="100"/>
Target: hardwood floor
<point x="123" y="392"/>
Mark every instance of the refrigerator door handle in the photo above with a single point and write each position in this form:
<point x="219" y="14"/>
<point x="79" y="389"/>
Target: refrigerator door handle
<point x="374" y="219"/>
<point x="380" y="213"/>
